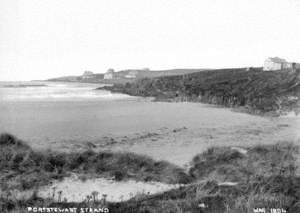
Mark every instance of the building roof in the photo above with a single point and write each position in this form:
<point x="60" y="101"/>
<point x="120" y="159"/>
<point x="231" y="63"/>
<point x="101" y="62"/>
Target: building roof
<point x="88" y="73"/>
<point x="110" y="71"/>
<point x="277" y="60"/>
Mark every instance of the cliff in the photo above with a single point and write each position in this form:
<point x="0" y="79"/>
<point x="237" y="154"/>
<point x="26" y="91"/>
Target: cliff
<point x="258" y="91"/>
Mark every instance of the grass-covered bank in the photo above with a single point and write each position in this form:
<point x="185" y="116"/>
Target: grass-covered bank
<point x="27" y="169"/>
<point x="257" y="91"/>
<point x="221" y="179"/>
<point x="231" y="180"/>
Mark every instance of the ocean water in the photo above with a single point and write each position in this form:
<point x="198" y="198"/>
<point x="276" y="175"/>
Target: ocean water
<point x="52" y="91"/>
<point x="72" y="116"/>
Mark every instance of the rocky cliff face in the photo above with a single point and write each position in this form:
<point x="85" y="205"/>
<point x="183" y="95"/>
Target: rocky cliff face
<point x="257" y="90"/>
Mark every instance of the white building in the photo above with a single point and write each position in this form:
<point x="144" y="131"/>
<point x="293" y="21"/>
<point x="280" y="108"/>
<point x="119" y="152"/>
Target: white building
<point x="110" y="74"/>
<point x="279" y="64"/>
<point x="275" y="64"/>
<point x="131" y="74"/>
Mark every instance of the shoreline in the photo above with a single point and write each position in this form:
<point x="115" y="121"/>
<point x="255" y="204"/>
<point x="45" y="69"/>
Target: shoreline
<point x="149" y="128"/>
<point x="257" y="91"/>
<point x="239" y="109"/>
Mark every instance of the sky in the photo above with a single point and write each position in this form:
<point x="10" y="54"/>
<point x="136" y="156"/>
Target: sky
<point x="40" y="39"/>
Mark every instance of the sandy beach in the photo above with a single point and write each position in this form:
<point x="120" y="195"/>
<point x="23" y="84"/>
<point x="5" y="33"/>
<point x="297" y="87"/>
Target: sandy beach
<point x="165" y="131"/>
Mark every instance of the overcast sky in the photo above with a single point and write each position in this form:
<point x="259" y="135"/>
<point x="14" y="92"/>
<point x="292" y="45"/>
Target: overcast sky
<point x="47" y="38"/>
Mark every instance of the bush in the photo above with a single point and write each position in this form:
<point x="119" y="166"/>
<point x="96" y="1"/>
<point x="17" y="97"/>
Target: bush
<point x="215" y="159"/>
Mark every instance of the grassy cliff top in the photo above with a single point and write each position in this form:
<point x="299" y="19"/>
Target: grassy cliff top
<point x="252" y="88"/>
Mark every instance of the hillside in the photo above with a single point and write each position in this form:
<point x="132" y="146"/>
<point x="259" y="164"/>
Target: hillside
<point x="95" y="78"/>
<point x="258" y="91"/>
<point x="157" y="73"/>
<point x="121" y="77"/>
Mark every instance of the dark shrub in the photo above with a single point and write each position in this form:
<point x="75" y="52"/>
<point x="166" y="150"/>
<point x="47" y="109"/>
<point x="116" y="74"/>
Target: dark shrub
<point x="212" y="159"/>
<point x="10" y="140"/>
<point x="101" y="167"/>
<point x="57" y="160"/>
<point x="7" y="139"/>
<point x="75" y="160"/>
<point x="119" y="175"/>
<point x="182" y="178"/>
<point x="104" y="155"/>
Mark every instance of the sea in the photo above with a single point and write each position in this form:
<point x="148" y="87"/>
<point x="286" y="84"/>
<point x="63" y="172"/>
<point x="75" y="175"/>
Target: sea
<point x="40" y="91"/>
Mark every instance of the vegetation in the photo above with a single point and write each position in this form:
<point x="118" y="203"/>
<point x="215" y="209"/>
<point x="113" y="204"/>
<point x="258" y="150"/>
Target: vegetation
<point x="221" y="179"/>
<point x="228" y="180"/>
<point x="258" y="91"/>
<point x="28" y="169"/>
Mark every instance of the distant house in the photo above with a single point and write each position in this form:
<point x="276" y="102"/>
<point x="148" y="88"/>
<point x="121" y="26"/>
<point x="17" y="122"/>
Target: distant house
<point x="279" y="64"/>
<point x="274" y="64"/>
<point x="132" y="74"/>
<point x="87" y="74"/>
<point x="110" y="74"/>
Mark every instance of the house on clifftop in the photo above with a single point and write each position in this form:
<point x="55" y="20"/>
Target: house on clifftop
<point x="277" y="63"/>
<point x="110" y="74"/>
<point x="274" y="64"/>
<point x="132" y="74"/>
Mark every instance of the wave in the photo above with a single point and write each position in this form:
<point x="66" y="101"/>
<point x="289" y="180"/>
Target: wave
<point x="45" y="92"/>
<point x="23" y="85"/>
<point x="65" y="97"/>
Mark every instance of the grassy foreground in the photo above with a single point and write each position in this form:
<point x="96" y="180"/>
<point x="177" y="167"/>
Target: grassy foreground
<point x="229" y="180"/>
<point x="221" y="179"/>
<point x="29" y="168"/>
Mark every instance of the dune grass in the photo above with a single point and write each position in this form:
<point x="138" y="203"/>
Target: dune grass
<point x="28" y="168"/>
<point x="228" y="164"/>
<point x="221" y="179"/>
<point x="231" y="180"/>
